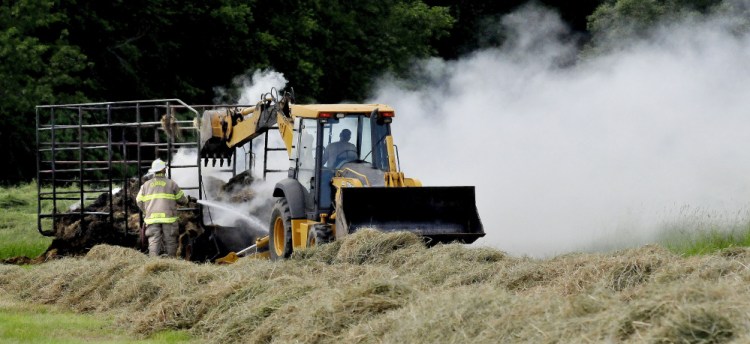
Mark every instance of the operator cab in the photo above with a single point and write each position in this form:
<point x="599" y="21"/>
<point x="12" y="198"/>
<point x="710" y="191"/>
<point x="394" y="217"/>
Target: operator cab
<point x="344" y="141"/>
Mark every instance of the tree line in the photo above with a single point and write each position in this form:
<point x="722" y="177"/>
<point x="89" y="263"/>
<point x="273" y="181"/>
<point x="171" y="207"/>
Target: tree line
<point x="57" y="52"/>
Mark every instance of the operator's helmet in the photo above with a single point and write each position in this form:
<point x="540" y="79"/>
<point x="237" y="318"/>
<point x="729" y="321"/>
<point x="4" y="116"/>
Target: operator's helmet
<point x="157" y="166"/>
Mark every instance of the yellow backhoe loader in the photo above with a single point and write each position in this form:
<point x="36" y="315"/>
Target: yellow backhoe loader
<point x="343" y="176"/>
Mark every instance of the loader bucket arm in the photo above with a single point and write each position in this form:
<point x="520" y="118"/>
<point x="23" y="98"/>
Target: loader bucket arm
<point x="225" y="129"/>
<point x="440" y="214"/>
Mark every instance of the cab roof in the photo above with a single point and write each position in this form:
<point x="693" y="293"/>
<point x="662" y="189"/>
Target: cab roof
<point x="313" y="110"/>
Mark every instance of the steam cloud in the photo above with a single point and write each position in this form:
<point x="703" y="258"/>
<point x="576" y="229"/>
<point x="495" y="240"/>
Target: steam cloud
<point x="248" y="89"/>
<point x="589" y="153"/>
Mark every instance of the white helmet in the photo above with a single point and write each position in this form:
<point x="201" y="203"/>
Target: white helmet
<point x="157" y="166"/>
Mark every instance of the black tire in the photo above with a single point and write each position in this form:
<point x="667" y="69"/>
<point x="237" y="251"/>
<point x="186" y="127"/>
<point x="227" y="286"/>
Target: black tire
<point x="280" y="230"/>
<point x="319" y="235"/>
<point x="186" y="245"/>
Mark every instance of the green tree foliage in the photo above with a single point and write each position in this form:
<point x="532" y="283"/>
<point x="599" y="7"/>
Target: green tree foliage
<point x="163" y="49"/>
<point x="478" y="21"/>
<point x="55" y="52"/>
<point x="331" y="50"/>
<point x="616" y="20"/>
<point x="327" y="49"/>
<point x="38" y="65"/>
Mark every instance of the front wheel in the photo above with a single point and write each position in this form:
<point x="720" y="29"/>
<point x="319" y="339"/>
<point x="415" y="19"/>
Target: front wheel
<point x="280" y="231"/>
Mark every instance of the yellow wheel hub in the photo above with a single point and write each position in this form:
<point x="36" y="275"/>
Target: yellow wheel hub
<point x="278" y="236"/>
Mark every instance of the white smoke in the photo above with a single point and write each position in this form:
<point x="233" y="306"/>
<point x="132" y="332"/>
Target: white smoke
<point x="613" y="148"/>
<point x="261" y="83"/>
<point x="249" y="88"/>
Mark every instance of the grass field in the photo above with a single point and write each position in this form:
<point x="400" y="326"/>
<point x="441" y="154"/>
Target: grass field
<point x="24" y="323"/>
<point x="700" y="231"/>
<point x="374" y="287"/>
<point x="18" y="223"/>
<point x="29" y="323"/>
<point x="706" y="242"/>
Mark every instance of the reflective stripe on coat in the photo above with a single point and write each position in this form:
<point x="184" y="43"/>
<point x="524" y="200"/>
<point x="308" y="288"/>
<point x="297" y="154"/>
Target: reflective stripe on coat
<point x="158" y="200"/>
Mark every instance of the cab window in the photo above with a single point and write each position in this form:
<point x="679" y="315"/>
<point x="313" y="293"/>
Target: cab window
<point x="340" y="139"/>
<point x="308" y="133"/>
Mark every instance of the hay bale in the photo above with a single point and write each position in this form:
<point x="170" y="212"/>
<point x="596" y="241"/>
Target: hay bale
<point x="631" y="274"/>
<point x="371" y="246"/>
<point x="697" y="325"/>
<point x="735" y="252"/>
<point x="447" y="265"/>
<point x="327" y="314"/>
<point x="456" y="315"/>
<point x="108" y="252"/>
<point x="381" y="287"/>
<point x="325" y="253"/>
<point x="75" y="235"/>
<point x="635" y="268"/>
<point x="240" y="181"/>
<point x="8" y="273"/>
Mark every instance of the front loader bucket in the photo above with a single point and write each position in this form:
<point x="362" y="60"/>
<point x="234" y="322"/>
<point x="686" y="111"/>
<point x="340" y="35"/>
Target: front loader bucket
<point x="440" y="214"/>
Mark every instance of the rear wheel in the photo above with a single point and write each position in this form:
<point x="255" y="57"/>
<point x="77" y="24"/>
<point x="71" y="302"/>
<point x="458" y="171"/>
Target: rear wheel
<point x="280" y="232"/>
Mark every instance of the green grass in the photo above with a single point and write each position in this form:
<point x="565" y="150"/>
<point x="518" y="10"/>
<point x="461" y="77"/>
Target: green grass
<point x="692" y="243"/>
<point x="18" y="225"/>
<point x="697" y="231"/>
<point x="19" y="235"/>
<point x="21" y="323"/>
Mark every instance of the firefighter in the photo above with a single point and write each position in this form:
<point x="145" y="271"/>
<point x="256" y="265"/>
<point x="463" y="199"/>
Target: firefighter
<point x="158" y="199"/>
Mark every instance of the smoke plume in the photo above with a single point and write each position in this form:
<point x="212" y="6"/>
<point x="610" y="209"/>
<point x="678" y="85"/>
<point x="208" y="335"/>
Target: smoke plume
<point x="576" y="153"/>
<point x="252" y="215"/>
<point x="247" y="89"/>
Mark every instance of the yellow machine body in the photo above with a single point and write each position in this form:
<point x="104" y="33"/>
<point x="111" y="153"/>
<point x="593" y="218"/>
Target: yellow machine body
<point x="364" y="193"/>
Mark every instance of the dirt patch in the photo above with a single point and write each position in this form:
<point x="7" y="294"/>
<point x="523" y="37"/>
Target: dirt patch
<point x="23" y="260"/>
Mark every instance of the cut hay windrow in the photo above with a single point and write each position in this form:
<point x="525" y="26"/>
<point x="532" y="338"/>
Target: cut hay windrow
<point x="389" y="288"/>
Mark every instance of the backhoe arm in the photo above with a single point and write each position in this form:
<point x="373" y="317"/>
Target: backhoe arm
<point x="225" y="129"/>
